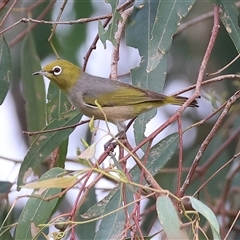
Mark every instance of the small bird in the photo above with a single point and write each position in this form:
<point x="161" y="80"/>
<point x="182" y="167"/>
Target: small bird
<point x="119" y="101"/>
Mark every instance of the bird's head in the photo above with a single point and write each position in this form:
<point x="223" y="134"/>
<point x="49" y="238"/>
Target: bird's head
<point x="62" y="73"/>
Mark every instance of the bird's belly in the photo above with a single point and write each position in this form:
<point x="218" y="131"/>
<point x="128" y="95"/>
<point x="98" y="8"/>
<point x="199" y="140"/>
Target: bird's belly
<point x="112" y="114"/>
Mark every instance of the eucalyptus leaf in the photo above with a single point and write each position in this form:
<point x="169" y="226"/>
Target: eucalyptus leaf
<point x="37" y="210"/>
<point x="5" y="69"/>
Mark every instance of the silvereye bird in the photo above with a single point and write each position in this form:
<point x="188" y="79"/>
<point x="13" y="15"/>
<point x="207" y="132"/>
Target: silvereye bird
<point x="119" y="101"/>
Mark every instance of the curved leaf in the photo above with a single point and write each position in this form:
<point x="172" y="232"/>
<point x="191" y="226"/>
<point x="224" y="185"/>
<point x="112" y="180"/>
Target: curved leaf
<point x="109" y="34"/>
<point x="169" y="219"/>
<point x="33" y="87"/>
<point x="208" y="214"/>
<point x="37" y="211"/>
<point x="5" y="69"/>
<point x="112" y="226"/>
<point x="229" y="18"/>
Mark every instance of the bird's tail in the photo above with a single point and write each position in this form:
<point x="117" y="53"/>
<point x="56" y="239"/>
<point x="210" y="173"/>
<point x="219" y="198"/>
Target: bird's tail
<point x="178" y="100"/>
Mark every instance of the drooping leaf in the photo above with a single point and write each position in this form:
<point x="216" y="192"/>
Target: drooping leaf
<point x="61" y="182"/>
<point x="98" y="209"/>
<point x="86" y="231"/>
<point x="229" y="18"/>
<point x="61" y="154"/>
<point x="57" y="103"/>
<point x="112" y="226"/>
<point x="33" y="87"/>
<point x="109" y="34"/>
<point x="169" y="218"/>
<point x="37" y="211"/>
<point x="208" y="214"/>
<point x="5" y="69"/>
<point x="5" y="187"/>
<point x="168" y="17"/>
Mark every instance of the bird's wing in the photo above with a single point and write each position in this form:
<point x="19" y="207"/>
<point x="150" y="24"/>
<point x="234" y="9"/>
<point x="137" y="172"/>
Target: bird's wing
<point x="120" y="95"/>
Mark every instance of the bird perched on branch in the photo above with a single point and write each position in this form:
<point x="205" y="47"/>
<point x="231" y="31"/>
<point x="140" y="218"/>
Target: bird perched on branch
<point x="119" y="101"/>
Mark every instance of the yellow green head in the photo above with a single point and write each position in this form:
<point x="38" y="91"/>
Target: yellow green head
<point x="62" y="73"/>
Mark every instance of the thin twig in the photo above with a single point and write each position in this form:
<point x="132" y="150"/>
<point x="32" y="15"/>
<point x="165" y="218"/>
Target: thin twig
<point x="199" y="19"/>
<point x="54" y="28"/>
<point x="203" y="168"/>
<point x="225" y="67"/>
<point x="180" y="156"/>
<point x="3" y="4"/>
<point x="226" y="188"/>
<point x="231" y="227"/>
<point x="77" y="21"/>
<point x="93" y="45"/>
<point x="207" y="140"/>
<point x="29" y="28"/>
<point x="71" y="22"/>
<point x="115" y="55"/>
<point x="7" y="13"/>
<point x="206" y="82"/>
<point x="197" y="93"/>
<point x="225" y="191"/>
<point x="55" y="129"/>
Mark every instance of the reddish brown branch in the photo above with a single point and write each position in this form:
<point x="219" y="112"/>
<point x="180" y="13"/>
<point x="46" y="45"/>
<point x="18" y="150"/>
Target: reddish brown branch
<point x="180" y="156"/>
<point x="197" y="93"/>
<point x="207" y="140"/>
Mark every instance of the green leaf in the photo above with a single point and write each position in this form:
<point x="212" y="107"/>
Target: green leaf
<point x="169" y="219"/>
<point x="5" y="187"/>
<point x="6" y="235"/>
<point x="86" y="231"/>
<point x="5" y="69"/>
<point x="229" y="18"/>
<point x="168" y="17"/>
<point x="149" y="219"/>
<point x="208" y="214"/>
<point x="112" y="226"/>
<point x="62" y="153"/>
<point x="57" y="103"/>
<point x="44" y="144"/>
<point x="33" y="87"/>
<point x="144" y="237"/>
<point x="37" y="211"/>
<point x="98" y="209"/>
<point x="109" y="34"/>
<point x="150" y="29"/>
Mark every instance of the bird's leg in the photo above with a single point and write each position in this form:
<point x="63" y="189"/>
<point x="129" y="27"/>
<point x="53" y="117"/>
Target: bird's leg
<point x="121" y="135"/>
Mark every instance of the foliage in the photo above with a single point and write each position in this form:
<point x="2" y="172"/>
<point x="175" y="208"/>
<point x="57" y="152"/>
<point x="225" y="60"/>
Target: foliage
<point x="186" y="187"/>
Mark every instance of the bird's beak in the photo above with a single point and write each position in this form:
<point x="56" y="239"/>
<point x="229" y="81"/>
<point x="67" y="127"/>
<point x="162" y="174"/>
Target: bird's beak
<point x="41" y="72"/>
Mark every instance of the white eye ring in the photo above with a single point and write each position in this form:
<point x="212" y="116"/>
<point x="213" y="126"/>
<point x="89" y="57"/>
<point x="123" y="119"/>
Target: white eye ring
<point x="57" y="70"/>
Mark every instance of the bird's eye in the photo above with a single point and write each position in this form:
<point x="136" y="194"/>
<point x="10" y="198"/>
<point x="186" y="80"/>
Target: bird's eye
<point x="57" y="70"/>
